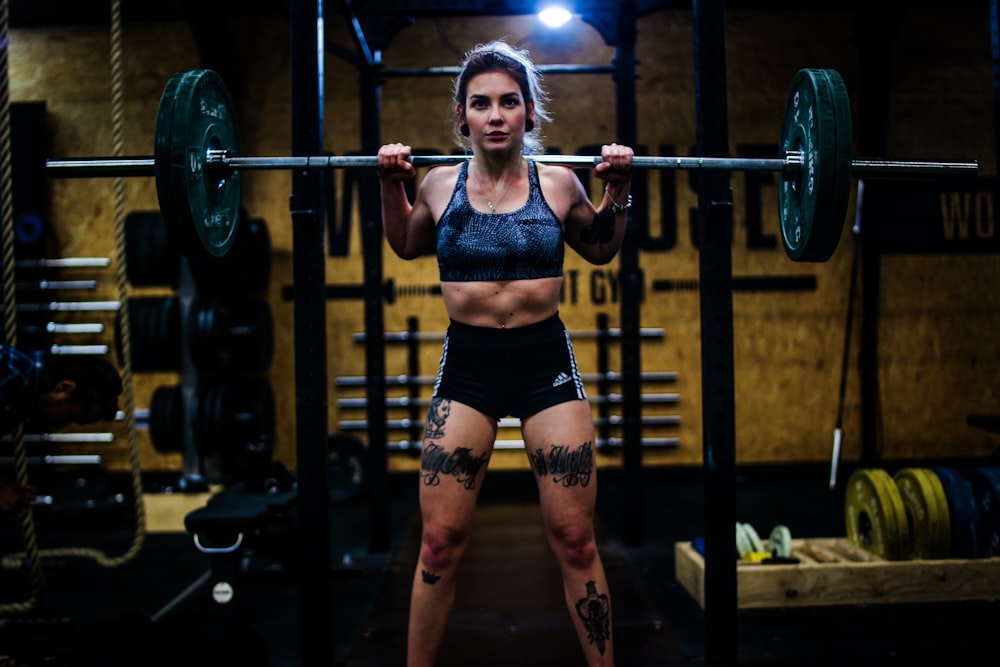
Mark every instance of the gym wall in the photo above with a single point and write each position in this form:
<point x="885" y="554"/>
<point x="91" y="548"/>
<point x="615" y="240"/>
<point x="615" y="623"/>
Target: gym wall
<point x="937" y="352"/>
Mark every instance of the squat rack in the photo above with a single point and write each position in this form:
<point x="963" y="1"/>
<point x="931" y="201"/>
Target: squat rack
<point x="616" y="21"/>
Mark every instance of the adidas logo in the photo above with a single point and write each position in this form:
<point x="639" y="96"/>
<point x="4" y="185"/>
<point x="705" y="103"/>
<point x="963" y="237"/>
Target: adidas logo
<point x="562" y="378"/>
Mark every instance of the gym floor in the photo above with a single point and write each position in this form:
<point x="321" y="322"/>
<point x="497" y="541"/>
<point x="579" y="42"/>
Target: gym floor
<point x="509" y="609"/>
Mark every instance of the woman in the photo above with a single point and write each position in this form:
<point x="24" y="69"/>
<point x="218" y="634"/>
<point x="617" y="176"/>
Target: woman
<point x="498" y="224"/>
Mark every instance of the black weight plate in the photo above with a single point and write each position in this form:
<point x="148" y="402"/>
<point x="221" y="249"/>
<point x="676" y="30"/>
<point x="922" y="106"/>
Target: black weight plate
<point x="154" y="328"/>
<point x="166" y="419"/>
<point x="247" y="265"/>
<point x="812" y="205"/>
<point x="231" y="332"/>
<point x="345" y="459"/>
<point x="843" y="177"/>
<point x="254" y="412"/>
<point x="985" y="482"/>
<point x="152" y="259"/>
<point x="201" y="205"/>
<point x="967" y="538"/>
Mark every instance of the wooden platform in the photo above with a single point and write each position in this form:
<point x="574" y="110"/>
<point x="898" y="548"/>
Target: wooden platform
<point x="833" y="571"/>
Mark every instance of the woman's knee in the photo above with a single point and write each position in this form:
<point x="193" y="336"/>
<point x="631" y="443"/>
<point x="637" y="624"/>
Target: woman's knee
<point x="442" y="546"/>
<point x="574" y="544"/>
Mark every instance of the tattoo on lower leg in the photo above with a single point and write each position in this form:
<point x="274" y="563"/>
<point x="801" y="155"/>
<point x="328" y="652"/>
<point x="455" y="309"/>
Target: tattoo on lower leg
<point x="429" y="577"/>
<point x="437" y="414"/>
<point x="595" y="612"/>
<point x="435" y="461"/>
<point x="567" y="466"/>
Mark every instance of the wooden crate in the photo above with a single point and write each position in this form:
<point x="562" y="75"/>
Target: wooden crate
<point x="833" y="571"/>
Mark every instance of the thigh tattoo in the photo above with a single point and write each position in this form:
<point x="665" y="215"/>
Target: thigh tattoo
<point x="435" y="461"/>
<point x="437" y="414"/>
<point x="569" y="467"/>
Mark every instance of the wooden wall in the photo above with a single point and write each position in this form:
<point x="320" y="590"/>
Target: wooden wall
<point x="938" y="313"/>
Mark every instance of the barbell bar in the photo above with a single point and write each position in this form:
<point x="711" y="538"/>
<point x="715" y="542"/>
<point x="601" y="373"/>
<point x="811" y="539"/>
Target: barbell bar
<point x="197" y="163"/>
<point x="218" y="159"/>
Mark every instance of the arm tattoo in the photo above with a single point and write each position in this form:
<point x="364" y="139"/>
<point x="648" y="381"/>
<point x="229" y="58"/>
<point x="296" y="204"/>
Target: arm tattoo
<point x="435" y="460"/>
<point x="429" y="578"/>
<point x="567" y="466"/>
<point x="601" y="229"/>
<point x="595" y="612"/>
<point x="437" y="413"/>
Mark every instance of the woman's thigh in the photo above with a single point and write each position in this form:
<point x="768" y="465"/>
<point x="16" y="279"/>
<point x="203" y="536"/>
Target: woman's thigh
<point x="559" y="442"/>
<point x="458" y="443"/>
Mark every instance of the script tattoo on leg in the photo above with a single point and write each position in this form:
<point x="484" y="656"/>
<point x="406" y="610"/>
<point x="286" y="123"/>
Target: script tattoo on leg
<point x="567" y="466"/>
<point x="437" y="414"/>
<point x="435" y="461"/>
<point x="595" y="612"/>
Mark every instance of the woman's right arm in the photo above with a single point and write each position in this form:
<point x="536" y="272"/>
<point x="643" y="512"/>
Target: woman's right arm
<point x="409" y="229"/>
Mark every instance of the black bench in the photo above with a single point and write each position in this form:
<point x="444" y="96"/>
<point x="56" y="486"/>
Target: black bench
<point x="237" y="523"/>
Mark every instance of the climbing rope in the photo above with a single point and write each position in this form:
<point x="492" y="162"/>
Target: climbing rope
<point x="118" y="139"/>
<point x="30" y="555"/>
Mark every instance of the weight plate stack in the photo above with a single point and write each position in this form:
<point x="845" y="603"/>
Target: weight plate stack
<point x="812" y="205"/>
<point x="201" y="204"/>
<point x="154" y="328"/>
<point x="231" y="415"/>
<point x="247" y="265"/>
<point x="926" y="511"/>
<point x="230" y="333"/>
<point x="985" y="482"/>
<point x="967" y="535"/>
<point x="875" y="514"/>
<point x="151" y="256"/>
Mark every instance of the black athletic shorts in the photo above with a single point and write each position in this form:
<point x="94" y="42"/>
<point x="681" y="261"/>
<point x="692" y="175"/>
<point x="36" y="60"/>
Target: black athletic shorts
<point x="516" y="372"/>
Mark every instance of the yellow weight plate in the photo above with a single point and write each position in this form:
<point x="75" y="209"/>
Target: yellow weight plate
<point x="926" y="512"/>
<point x="875" y="515"/>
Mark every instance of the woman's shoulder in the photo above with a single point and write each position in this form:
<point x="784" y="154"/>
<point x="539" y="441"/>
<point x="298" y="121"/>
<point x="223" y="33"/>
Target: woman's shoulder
<point x="556" y="177"/>
<point x="554" y="172"/>
<point x="439" y="181"/>
<point x="443" y="173"/>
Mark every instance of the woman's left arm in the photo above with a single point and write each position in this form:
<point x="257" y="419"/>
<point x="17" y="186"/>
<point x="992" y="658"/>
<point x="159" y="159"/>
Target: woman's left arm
<point x="597" y="233"/>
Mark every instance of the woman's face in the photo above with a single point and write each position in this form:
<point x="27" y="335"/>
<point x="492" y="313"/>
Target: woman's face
<point x="495" y="111"/>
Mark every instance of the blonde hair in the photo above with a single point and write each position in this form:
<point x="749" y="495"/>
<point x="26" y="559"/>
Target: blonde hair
<point x="499" y="56"/>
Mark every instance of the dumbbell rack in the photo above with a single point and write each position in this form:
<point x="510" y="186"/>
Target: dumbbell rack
<point x="215" y="331"/>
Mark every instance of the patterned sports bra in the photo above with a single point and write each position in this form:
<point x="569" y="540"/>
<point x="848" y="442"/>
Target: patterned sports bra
<point x="523" y="244"/>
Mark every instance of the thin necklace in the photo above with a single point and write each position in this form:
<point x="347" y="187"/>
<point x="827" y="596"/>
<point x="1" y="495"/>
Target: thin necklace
<point x="489" y="202"/>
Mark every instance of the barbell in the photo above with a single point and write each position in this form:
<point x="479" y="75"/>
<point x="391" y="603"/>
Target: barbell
<point x="197" y="164"/>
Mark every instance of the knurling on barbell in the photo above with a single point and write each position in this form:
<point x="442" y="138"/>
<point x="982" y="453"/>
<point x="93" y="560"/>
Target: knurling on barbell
<point x="197" y="164"/>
